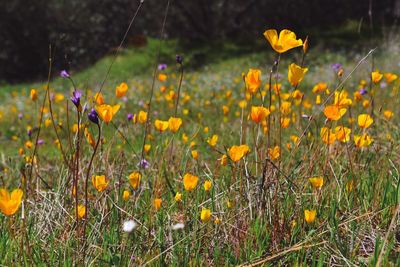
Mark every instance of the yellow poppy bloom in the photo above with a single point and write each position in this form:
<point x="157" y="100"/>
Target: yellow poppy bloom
<point x="390" y="77"/>
<point x="174" y="124"/>
<point x="376" y="76"/>
<point x="213" y="140"/>
<point x="90" y="138"/>
<point x="364" y="121"/>
<point x="253" y="80"/>
<point x="334" y="112"/>
<point x="107" y="112"/>
<point x="9" y="203"/>
<point x="316" y="182"/>
<point x="224" y="160"/>
<point x="362" y="140"/>
<point x="205" y="215"/>
<point x="126" y="195"/>
<point x="284" y="42"/>
<point x="142" y="117"/>
<point x="296" y="74"/>
<point x="195" y="154"/>
<point x="274" y="153"/>
<point x="388" y="114"/>
<point x="157" y="203"/>
<point x="121" y="90"/>
<point x="259" y="114"/>
<point x="98" y="98"/>
<point x="161" y="125"/>
<point x="327" y="135"/>
<point x="34" y="95"/>
<point x="236" y="153"/>
<point x="178" y="197"/>
<point x="81" y="211"/>
<point x="134" y="179"/>
<point x="162" y="77"/>
<point x="309" y="215"/>
<point x="190" y="181"/>
<point x="342" y="134"/>
<point x="207" y="185"/>
<point x="99" y="182"/>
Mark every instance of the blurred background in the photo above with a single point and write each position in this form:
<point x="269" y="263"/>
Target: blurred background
<point x="82" y="32"/>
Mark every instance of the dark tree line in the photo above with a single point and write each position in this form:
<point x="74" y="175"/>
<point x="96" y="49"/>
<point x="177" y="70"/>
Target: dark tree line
<point x="83" y="30"/>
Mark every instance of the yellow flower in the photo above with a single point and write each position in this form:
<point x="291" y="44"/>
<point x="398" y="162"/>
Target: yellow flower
<point x="161" y="125"/>
<point x="320" y="88"/>
<point x="388" y="114"/>
<point x="9" y="203"/>
<point x="34" y="95"/>
<point x="142" y="117"/>
<point x="121" y="90"/>
<point x="236" y="153"/>
<point x="285" y="122"/>
<point x="364" y="121"/>
<point x="185" y="138"/>
<point x="195" y="154"/>
<point x="205" y="215"/>
<point x="90" y="138"/>
<point x="376" y="76"/>
<point x="327" y="135"/>
<point x="126" y="195"/>
<point x="253" y="80"/>
<point x="362" y="140"/>
<point x="106" y="112"/>
<point x="309" y="215"/>
<point x="99" y="182"/>
<point x="98" y="97"/>
<point x="134" y="179"/>
<point x="157" y="203"/>
<point x="58" y="98"/>
<point x="147" y="147"/>
<point x="296" y="74"/>
<point x="341" y="99"/>
<point x="81" y="211"/>
<point x="224" y="160"/>
<point x="342" y="134"/>
<point x="174" y="124"/>
<point x="207" y="185"/>
<point x="390" y="77"/>
<point x="162" y="77"/>
<point x="334" y="112"/>
<point x="274" y="153"/>
<point x="286" y="40"/>
<point x="316" y="182"/>
<point x="28" y="144"/>
<point x="259" y="114"/>
<point x="225" y="109"/>
<point x="213" y="140"/>
<point x="178" y="197"/>
<point x="286" y="107"/>
<point x="190" y="181"/>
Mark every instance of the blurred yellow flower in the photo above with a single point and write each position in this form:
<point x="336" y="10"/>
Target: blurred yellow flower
<point x="316" y="182"/>
<point x="98" y="98"/>
<point x="162" y="77"/>
<point x="213" y="140"/>
<point x="390" y="77"/>
<point x="190" y="181"/>
<point x="207" y="185"/>
<point x="121" y="90"/>
<point x="34" y="95"/>
<point x="134" y="179"/>
<point x="126" y="195"/>
<point x="9" y="203"/>
<point x="388" y="114"/>
<point x="99" y="182"/>
<point x="178" y="197"/>
<point x="259" y="114"/>
<point x="364" y="121"/>
<point x="107" y="112"/>
<point x="286" y="40"/>
<point x="327" y="135"/>
<point x="309" y="215"/>
<point x="236" y="153"/>
<point x="161" y="125"/>
<point x="334" y="112"/>
<point x="253" y="80"/>
<point x="205" y="215"/>
<point x="195" y="154"/>
<point x="142" y="117"/>
<point x="362" y="140"/>
<point x="174" y="124"/>
<point x="296" y="74"/>
<point x="376" y="76"/>
<point x="81" y="211"/>
<point x="342" y="134"/>
<point x="274" y="153"/>
<point x="157" y="203"/>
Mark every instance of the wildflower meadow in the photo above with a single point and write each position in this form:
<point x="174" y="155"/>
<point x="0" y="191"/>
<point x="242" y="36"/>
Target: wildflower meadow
<point x="285" y="157"/>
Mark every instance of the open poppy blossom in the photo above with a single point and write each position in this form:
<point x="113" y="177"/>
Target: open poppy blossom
<point x="285" y="41"/>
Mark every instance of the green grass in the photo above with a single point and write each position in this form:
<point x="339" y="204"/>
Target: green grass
<point x="351" y="227"/>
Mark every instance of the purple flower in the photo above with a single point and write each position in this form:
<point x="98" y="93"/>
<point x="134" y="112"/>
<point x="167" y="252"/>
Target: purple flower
<point x="144" y="164"/>
<point x="40" y="142"/>
<point x="64" y="74"/>
<point x="76" y="98"/>
<point x="29" y="132"/>
<point x="362" y="91"/>
<point x="383" y="85"/>
<point x="93" y="117"/>
<point x="162" y="66"/>
<point x="129" y="116"/>
<point x="20" y="116"/>
<point x="336" y="67"/>
<point x="179" y="59"/>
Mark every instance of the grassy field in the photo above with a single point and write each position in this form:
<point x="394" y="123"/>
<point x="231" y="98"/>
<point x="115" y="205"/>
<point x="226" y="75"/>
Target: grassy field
<point x="230" y="185"/>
